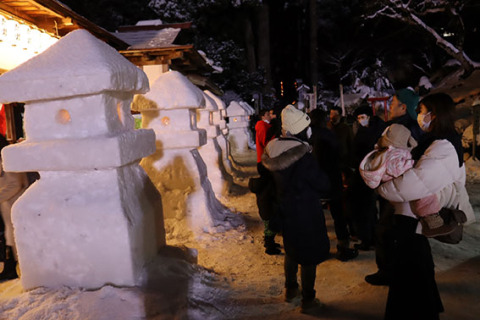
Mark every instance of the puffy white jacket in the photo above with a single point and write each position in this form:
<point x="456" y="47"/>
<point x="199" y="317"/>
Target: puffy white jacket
<point x="436" y="172"/>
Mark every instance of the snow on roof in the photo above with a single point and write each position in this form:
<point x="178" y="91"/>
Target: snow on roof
<point x="210" y="103"/>
<point x="77" y="64"/>
<point x="239" y="109"/>
<point x="218" y="101"/>
<point x="171" y="90"/>
<point x="155" y="22"/>
<point x="248" y="108"/>
<point x="148" y="39"/>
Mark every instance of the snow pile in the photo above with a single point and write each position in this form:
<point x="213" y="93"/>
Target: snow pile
<point x="473" y="170"/>
<point x="175" y="289"/>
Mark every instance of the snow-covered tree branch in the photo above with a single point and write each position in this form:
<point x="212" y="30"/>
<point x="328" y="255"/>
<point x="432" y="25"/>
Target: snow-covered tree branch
<point x="416" y="13"/>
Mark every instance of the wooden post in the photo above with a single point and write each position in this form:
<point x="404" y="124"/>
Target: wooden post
<point x="342" y="103"/>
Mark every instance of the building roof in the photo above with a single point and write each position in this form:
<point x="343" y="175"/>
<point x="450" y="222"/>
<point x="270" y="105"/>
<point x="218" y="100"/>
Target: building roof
<point x="151" y="44"/>
<point x="56" y="18"/>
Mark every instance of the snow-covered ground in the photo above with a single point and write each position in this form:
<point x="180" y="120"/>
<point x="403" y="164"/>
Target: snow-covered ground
<point x="234" y="279"/>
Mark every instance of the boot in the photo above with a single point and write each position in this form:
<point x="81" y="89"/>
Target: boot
<point x="9" y="267"/>
<point x="271" y="248"/>
<point x="291" y="294"/>
<point x="3" y="247"/>
<point x="313" y="306"/>
<point x="345" y="254"/>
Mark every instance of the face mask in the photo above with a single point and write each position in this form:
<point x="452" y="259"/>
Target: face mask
<point x="363" y="122"/>
<point x="309" y="132"/>
<point x="421" y="121"/>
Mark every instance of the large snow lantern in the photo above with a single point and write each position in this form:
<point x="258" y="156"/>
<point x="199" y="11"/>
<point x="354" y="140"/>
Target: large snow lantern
<point x="90" y="218"/>
<point x="239" y="135"/>
<point x="176" y="168"/>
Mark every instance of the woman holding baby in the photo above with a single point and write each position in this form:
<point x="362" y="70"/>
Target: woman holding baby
<point x="438" y="170"/>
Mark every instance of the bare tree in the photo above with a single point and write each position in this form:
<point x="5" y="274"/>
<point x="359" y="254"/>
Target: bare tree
<point x="417" y="13"/>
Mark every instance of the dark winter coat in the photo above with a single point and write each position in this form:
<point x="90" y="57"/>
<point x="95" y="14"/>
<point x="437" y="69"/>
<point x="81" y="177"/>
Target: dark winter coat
<point x="264" y="189"/>
<point x="326" y="149"/>
<point x="300" y="184"/>
<point x="366" y="138"/>
<point x="411" y="125"/>
<point x="344" y="134"/>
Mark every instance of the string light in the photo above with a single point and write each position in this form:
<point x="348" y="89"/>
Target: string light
<point x="20" y="41"/>
<point x="23" y="35"/>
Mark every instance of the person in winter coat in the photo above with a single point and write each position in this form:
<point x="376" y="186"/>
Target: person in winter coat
<point x="12" y="186"/>
<point x="344" y="135"/>
<point x="402" y="111"/>
<point x="300" y="185"/>
<point x="390" y="159"/>
<point x="413" y="292"/>
<point x="326" y="150"/>
<point x="362" y="200"/>
<point x="263" y="185"/>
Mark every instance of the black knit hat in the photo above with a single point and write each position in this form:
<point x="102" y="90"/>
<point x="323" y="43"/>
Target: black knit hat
<point x="364" y="108"/>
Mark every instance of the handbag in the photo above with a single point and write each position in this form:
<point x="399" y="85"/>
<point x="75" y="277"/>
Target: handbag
<point x="452" y="216"/>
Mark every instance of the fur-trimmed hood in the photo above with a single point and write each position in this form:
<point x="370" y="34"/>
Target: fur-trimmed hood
<point x="281" y="153"/>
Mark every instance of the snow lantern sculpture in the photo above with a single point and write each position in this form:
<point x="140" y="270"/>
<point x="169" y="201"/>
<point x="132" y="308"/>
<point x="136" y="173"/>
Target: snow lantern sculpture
<point x="219" y="119"/>
<point x="89" y="220"/>
<point x="176" y="168"/>
<point x="211" y="152"/>
<point x="239" y="135"/>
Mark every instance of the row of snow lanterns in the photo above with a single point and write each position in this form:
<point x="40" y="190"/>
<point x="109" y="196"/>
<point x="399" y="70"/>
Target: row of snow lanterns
<point x="24" y="36"/>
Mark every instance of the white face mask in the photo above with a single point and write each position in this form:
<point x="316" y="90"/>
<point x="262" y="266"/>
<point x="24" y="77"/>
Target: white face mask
<point x="309" y="132"/>
<point x="363" y="122"/>
<point x="421" y="121"/>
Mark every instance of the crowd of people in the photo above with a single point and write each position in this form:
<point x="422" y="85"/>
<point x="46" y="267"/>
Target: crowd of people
<point x="378" y="179"/>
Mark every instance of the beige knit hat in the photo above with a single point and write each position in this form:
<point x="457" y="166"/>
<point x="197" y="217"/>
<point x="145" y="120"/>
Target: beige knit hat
<point x="398" y="136"/>
<point x="294" y="120"/>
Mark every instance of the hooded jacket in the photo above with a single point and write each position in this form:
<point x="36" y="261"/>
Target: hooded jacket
<point x="300" y="184"/>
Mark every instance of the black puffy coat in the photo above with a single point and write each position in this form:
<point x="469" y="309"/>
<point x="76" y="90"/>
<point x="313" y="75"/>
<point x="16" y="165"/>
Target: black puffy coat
<point x="300" y="184"/>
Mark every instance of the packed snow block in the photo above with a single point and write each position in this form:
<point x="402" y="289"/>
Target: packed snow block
<point x="187" y="194"/>
<point x="79" y="154"/>
<point x="77" y="64"/>
<point x="174" y="128"/>
<point x="85" y="229"/>
<point x="76" y="117"/>
<point x="238" y="134"/>
<point x="176" y="176"/>
<point x="212" y="157"/>
<point x="171" y="90"/>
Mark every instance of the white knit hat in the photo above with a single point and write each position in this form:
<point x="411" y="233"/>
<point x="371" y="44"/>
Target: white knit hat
<point x="294" y="120"/>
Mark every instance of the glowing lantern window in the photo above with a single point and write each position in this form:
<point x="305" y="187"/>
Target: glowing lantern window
<point x="165" y="121"/>
<point x="235" y="119"/>
<point x="120" y="112"/>
<point x="63" y="117"/>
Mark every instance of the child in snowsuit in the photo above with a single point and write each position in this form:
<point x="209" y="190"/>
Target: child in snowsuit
<point x="390" y="159"/>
